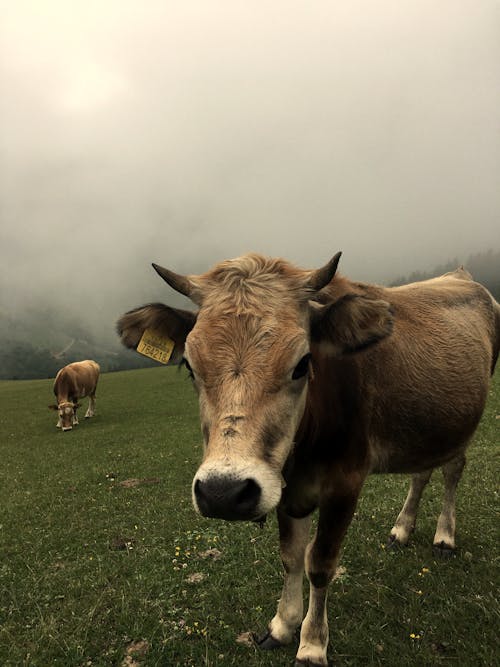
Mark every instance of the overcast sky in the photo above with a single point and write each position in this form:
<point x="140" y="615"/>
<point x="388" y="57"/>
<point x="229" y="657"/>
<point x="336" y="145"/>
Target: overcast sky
<point x="184" y="132"/>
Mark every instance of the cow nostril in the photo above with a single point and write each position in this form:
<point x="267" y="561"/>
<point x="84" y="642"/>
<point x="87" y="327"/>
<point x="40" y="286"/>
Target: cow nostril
<point x="250" y="491"/>
<point x="199" y="491"/>
<point x="224" y="498"/>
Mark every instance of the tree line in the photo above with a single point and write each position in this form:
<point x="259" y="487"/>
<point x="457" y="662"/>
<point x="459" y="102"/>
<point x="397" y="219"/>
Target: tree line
<point x="484" y="267"/>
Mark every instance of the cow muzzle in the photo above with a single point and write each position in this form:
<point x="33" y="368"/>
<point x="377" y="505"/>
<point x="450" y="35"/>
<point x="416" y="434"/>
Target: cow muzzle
<point x="225" y="490"/>
<point x="220" y="497"/>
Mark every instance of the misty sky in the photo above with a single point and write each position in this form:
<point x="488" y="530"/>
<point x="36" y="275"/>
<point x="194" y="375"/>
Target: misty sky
<point x="184" y="132"/>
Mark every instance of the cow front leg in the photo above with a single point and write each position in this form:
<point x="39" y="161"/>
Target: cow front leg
<point x="335" y="515"/>
<point x="294" y="536"/>
<point x="405" y="523"/>
<point x="444" y="539"/>
<point x="91" y="407"/>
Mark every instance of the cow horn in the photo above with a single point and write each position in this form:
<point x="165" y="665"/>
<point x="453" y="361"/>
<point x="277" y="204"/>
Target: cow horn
<point x="321" y="277"/>
<point x="180" y="283"/>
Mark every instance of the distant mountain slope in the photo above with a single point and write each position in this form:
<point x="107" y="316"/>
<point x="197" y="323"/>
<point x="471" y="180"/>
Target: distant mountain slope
<point x="38" y="342"/>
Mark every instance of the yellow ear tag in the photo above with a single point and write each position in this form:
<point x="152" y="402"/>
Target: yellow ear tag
<point x="156" y="346"/>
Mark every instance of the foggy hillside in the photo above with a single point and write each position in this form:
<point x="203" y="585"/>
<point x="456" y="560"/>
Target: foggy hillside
<point x="187" y="132"/>
<point x="38" y="342"/>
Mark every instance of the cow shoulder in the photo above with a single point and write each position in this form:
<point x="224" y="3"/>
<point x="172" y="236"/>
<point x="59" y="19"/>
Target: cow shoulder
<point x="62" y="384"/>
<point x="351" y="322"/>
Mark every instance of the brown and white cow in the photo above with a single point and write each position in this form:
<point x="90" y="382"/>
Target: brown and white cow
<point x="72" y="382"/>
<point x="308" y="383"/>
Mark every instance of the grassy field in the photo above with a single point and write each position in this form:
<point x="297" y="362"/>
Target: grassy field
<point x="103" y="560"/>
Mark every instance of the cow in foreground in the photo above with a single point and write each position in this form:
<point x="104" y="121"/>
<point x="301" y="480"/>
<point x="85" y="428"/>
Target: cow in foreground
<point x="307" y="383"/>
<point x="72" y="382"/>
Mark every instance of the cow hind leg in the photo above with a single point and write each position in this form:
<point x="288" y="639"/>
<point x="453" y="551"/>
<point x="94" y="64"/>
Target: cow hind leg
<point x="294" y="536"/>
<point x="91" y="407"/>
<point x="74" y="400"/>
<point x="405" y="523"/>
<point x="444" y="539"/>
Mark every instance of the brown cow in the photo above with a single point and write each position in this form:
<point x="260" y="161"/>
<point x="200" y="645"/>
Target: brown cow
<point x="307" y="383"/>
<point x="72" y="382"/>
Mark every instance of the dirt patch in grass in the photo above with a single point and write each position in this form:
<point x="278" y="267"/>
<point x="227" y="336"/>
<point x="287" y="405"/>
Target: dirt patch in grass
<point x="135" y="653"/>
<point x="121" y="543"/>
<point x="134" y="481"/>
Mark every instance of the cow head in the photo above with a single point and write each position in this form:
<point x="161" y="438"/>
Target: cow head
<point x="66" y="411"/>
<point x="249" y="351"/>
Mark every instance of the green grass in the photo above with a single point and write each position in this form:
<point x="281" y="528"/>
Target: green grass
<point x="88" y="566"/>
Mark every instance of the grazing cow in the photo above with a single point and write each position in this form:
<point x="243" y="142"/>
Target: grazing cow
<point x="72" y="382"/>
<point x="307" y="383"/>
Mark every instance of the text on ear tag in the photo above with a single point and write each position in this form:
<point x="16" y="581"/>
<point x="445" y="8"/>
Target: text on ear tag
<point x="156" y="346"/>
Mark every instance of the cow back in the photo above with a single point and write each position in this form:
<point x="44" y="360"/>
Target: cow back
<point x="419" y="392"/>
<point x="76" y="380"/>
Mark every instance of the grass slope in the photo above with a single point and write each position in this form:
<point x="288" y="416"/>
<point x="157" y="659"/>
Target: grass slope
<point x="89" y="567"/>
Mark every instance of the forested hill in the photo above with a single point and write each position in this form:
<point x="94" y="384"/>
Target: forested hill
<point x="484" y="267"/>
<point x="36" y="343"/>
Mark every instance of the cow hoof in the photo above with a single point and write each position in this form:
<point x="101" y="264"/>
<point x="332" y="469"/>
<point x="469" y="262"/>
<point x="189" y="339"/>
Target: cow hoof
<point x="393" y="543"/>
<point x="308" y="663"/>
<point x="266" y="641"/>
<point x="443" y="550"/>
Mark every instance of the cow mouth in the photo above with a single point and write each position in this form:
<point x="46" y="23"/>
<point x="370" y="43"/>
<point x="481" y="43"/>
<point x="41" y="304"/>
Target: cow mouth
<point x="261" y="520"/>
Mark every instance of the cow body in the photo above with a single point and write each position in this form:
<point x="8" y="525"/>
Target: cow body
<point x="73" y="382"/>
<point x="308" y="382"/>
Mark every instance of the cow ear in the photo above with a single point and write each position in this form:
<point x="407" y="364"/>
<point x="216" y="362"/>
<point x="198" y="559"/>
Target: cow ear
<point x="351" y="324"/>
<point x="171" y="322"/>
<point x="53" y="407"/>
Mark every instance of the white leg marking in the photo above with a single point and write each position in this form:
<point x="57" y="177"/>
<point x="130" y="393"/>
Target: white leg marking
<point x="290" y="609"/>
<point x="405" y="523"/>
<point x="445" y="531"/>
<point x="291" y="604"/>
<point x="91" y="408"/>
<point x="314" y="631"/>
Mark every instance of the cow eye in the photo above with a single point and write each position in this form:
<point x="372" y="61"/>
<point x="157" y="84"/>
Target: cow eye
<point x="302" y="367"/>
<point x="189" y="369"/>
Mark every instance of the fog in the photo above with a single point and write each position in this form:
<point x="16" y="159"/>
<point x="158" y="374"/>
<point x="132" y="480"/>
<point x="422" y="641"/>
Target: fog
<point x="186" y="132"/>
